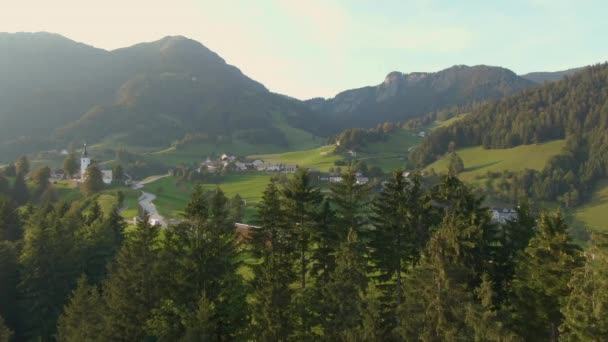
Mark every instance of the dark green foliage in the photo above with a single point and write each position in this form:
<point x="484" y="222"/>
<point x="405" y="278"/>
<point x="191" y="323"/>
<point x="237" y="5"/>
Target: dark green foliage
<point x="341" y="295"/>
<point x="301" y="202"/>
<point x="50" y="263"/>
<point x="70" y="165"/>
<point x="82" y="318"/>
<point x="10" y="224"/>
<point x="584" y="312"/>
<point x="9" y="280"/>
<point x="22" y="166"/>
<point x="132" y="288"/>
<point x="20" y="191"/>
<point x="456" y="165"/>
<point x="5" y="333"/>
<point x="351" y="201"/>
<point x="118" y="173"/>
<point x="541" y="279"/>
<point x="93" y="181"/>
<point x="237" y="208"/>
<point x="4" y="185"/>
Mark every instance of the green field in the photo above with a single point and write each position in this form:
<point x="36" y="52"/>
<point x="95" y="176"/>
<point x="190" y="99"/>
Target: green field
<point x="173" y="195"/>
<point x="391" y="154"/>
<point x="321" y="158"/>
<point x="478" y="161"/>
<point x="594" y="214"/>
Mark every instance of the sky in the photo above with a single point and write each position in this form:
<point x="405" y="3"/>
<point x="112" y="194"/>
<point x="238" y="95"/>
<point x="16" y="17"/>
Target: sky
<point x="317" y="48"/>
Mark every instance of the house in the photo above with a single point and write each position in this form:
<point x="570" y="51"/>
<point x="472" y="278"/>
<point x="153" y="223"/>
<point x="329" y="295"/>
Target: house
<point x="502" y="215"/>
<point x="273" y="167"/>
<point x="335" y="179"/>
<point x="422" y="134"/>
<point x="362" y="180"/>
<point x="227" y="158"/>
<point x="107" y="176"/>
<point x="290" y="168"/>
<point x="240" y="166"/>
<point x="56" y="175"/>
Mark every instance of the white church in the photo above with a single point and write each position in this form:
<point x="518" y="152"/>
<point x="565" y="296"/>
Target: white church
<point x="85" y="162"/>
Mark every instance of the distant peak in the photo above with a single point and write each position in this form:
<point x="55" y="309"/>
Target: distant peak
<point x="392" y="77"/>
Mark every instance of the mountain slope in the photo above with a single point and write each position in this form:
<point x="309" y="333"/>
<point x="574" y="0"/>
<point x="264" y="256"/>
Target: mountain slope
<point x="402" y="96"/>
<point x="149" y="94"/>
<point x="551" y="76"/>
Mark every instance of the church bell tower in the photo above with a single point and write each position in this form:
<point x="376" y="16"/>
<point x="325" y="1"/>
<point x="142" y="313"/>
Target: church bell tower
<point x="85" y="161"/>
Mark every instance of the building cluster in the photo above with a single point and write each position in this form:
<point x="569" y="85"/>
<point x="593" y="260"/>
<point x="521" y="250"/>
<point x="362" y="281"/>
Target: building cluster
<point x="235" y="164"/>
<point x="503" y="215"/>
<point x="333" y="178"/>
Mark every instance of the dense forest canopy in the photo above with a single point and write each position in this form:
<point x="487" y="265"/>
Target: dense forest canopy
<point x="418" y="260"/>
<point x="575" y="109"/>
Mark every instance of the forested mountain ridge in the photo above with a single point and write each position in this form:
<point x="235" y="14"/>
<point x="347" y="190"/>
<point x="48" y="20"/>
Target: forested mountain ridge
<point x="148" y="94"/>
<point x="575" y="108"/>
<point x="403" y="96"/>
<point x="550" y="76"/>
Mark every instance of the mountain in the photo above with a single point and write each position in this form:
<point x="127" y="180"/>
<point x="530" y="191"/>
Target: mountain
<point x="150" y="94"/>
<point x="402" y="96"/>
<point x="542" y="77"/>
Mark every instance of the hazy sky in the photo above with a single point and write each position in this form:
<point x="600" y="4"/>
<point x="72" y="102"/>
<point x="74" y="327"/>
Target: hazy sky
<point x="308" y="48"/>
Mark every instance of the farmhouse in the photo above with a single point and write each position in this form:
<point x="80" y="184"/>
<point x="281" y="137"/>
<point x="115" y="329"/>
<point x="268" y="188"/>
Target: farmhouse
<point x="502" y="215"/>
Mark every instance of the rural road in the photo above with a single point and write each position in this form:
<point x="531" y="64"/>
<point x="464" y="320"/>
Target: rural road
<point x="146" y="198"/>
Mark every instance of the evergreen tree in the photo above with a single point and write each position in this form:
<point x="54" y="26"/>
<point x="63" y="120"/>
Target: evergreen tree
<point x="9" y="280"/>
<point x="456" y="164"/>
<point x="10" y="225"/>
<point x="351" y="202"/>
<point x="131" y="290"/>
<point x="201" y="326"/>
<point x="237" y="208"/>
<point x="541" y="279"/>
<point x="93" y="181"/>
<point x="341" y="295"/>
<point x="272" y="319"/>
<point x="4" y="185"/>
<point x="20" y="192"/>
<point x="585" y="317"/>
<point x="325" y="239"/>
<point x="50" y="262"/>
<point x="40" y="178"/>
<point x="301" y="204"/>
<point x="22" y="166"/>
<point x="118" y="173"/>
<point x="82" y="318"/>
<point x="70" y="164"/>
<point x="400" y="231"/>
<point x="5" y="333"/>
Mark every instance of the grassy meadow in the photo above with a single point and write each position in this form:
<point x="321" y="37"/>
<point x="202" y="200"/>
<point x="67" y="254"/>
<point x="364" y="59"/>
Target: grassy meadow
<point x="391" y="154"/>
<point x="321" y="158"/>
<point x="594" y="214"/>
<point x="478" y="161"/>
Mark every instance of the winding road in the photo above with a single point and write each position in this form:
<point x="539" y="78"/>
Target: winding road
<point x="146" y="198"/>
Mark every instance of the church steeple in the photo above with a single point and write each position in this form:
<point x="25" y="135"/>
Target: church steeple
<point x="85" y="154"/>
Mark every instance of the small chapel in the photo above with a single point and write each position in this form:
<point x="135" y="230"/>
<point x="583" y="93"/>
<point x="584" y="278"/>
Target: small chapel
<point x="85" y="162"/>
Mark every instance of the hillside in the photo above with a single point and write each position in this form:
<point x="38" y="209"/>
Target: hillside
<point x="551" y="76"/>
<point x="58" y="91"/>
<point x="574" y="108"/>
<point x="402" y="96"/>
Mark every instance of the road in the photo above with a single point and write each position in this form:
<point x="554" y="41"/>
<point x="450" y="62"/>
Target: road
<point x="146" y="198"/>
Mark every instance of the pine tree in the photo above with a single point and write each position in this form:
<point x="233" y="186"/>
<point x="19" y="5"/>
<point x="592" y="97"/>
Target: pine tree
<point x="93" y="181"/>
<point x="70" y="164"/>
<point x="40" y="178"/>
<point x="351" y="202"/>
<point x="399" y="233"/>
<point x="301" y="204"/>
<point x="200" y="326"/>
<point x="341" y="295"/>
<point x="237" y="208"/>
<point x="9" y="280"/>
<point x="50" y="262"/>
<point x="325" y="239"/>
<point x="20" y="191"/>
<point x="82" y="317"/>
<point x="456" y="164"/>
<point x="585" y="317"/>
<point x="10" y="225"/>
<point x="131" y="290"/>
<point x="22" y="166"/>
<point x="272" y="319"/>
<point x="5" y="333"/>
<point x="541" y="279"/>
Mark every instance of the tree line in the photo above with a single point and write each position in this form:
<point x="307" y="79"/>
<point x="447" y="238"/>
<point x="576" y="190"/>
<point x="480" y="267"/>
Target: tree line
<point x="416" y="261"/>
<point x="575" y="109"/>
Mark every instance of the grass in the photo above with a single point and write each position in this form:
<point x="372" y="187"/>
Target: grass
<point x="391" y="154"/>
<point x="321" y="158"/>
<point x="478" y="161"/>
<point x="448" y="122"/>
<point x="594" y="214"/>
<point x="173" y="195"/>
